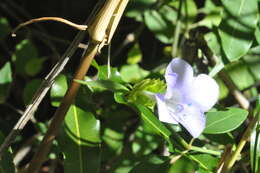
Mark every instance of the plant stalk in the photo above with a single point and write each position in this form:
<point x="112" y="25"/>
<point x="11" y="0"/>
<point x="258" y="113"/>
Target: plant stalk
<point x="60" y="113"/>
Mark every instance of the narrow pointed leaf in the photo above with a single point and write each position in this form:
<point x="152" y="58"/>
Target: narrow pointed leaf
<point x="153" y="121"/>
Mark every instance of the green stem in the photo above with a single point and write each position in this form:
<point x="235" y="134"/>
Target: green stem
<point x="187" y="146"/>
<point x="177" y="31"/>
<point x="229" y="164"/>
<point x="207" y="151"/>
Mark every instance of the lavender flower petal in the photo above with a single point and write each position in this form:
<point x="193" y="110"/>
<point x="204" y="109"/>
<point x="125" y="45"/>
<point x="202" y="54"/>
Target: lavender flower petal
<point x="192" y="119"/>
<point x="205" y="92"/>
<point x="163" y="112"/>
<point x="184" y="73"/>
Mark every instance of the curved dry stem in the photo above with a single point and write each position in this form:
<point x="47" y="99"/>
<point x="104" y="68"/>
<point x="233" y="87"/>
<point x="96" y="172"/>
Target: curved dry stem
<point x="57" y="19"/>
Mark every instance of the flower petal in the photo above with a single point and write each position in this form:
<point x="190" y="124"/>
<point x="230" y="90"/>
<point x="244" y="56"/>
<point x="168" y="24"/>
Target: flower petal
<point x="182" y="70"/>
<point x="163" y="112"/>
<point x="205" y="92"/>
<point x="192" y="119"/>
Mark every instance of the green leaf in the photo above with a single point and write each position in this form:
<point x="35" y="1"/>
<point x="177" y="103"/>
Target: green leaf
<point x="213" y="43"/>
<point x="143" y="91"/>
<point x="5" y="81"/>
<point x="240" y="75"/>
<point x="34" y="65"/>
<point x="206" y="162"/>
<point x="212" y="12"/>
<point x="6" y="163"/>
<point x="133" y="73"/>
<point x="152" y="164"/>
<point x="224" y="121"/>
<point x="144" y="143"/>
<point x="105" y="85"/>
<point x="237" y="27"/>
<point x="30" y="89"/>
<point x="58" y="90"/>
<point x="4" y="28"/>
<point x="114" y="74"/>
<point x="162" y="28"/>
<point x="183" y="165"/>
<point x="80" y="141"/>
<point x="136" y="8"/>
<point x="153" y="121"/>
<point x="156" y="164"/>
<point x="134" y="55"/>
<point x="188" y="10"/>
<point x="24" y="53"/>
<point x="257" y="35"/>
<point x="255" y="148"/>
<point x="253" y="63"/>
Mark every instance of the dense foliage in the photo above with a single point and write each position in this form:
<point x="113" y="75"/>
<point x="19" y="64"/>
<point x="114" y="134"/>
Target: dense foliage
<point x="113" y="124"/>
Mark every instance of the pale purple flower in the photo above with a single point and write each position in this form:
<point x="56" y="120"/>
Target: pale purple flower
<point x="187" y="97"/>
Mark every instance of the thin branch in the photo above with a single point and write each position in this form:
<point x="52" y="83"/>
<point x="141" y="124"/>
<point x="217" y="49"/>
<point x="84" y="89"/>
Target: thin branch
<point x="229" y="164"/>
<point x="57" y="19"/>
<point x="62" y="110"/>
<point x="44" y="87"/>
<point x="99" y="30"/>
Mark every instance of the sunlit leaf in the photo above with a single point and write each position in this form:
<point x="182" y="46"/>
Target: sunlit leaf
<point x="224" y="121"/>
<point x="105" y="85"/>
<point x="58" y="90"/>
<point x="207" y="163"/>
<point x="5" y="81"/>
<point x="114" y="74"/>
<point x="237" y="27"/>
<point x="133" y="73"/>
<point x="134" y="55"/>
<point x="162" y="28"/>
<point x="80" y="141"/>
<point x="153" y="121"/>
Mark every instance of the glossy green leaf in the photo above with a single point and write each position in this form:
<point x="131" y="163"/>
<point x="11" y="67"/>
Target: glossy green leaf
<point x="136" y="8"/>
<point x="58" y="90"/>
<point x="30" y="89"/>
<point x="257" y="34"/>
<point x="80" y="141"/>
<point x="6" y="163"/>
<point x="142" y="92"/>
<point x="105" y="85"/>
<point x="207" y="163"/>
<point x="224" y="121"/>
<point x="148" y="116"/>
<point x="5" y="81"/>
<point x="240" y="74"/>
<point x="253" y="64"/>
<point x="188" y="10"/>
<point x="237" y="27"/>
<point x="114" y="74"/>
<point x="162" y="28"/>
<point x="213" y="14"/>
<point x="133" y="73"/>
